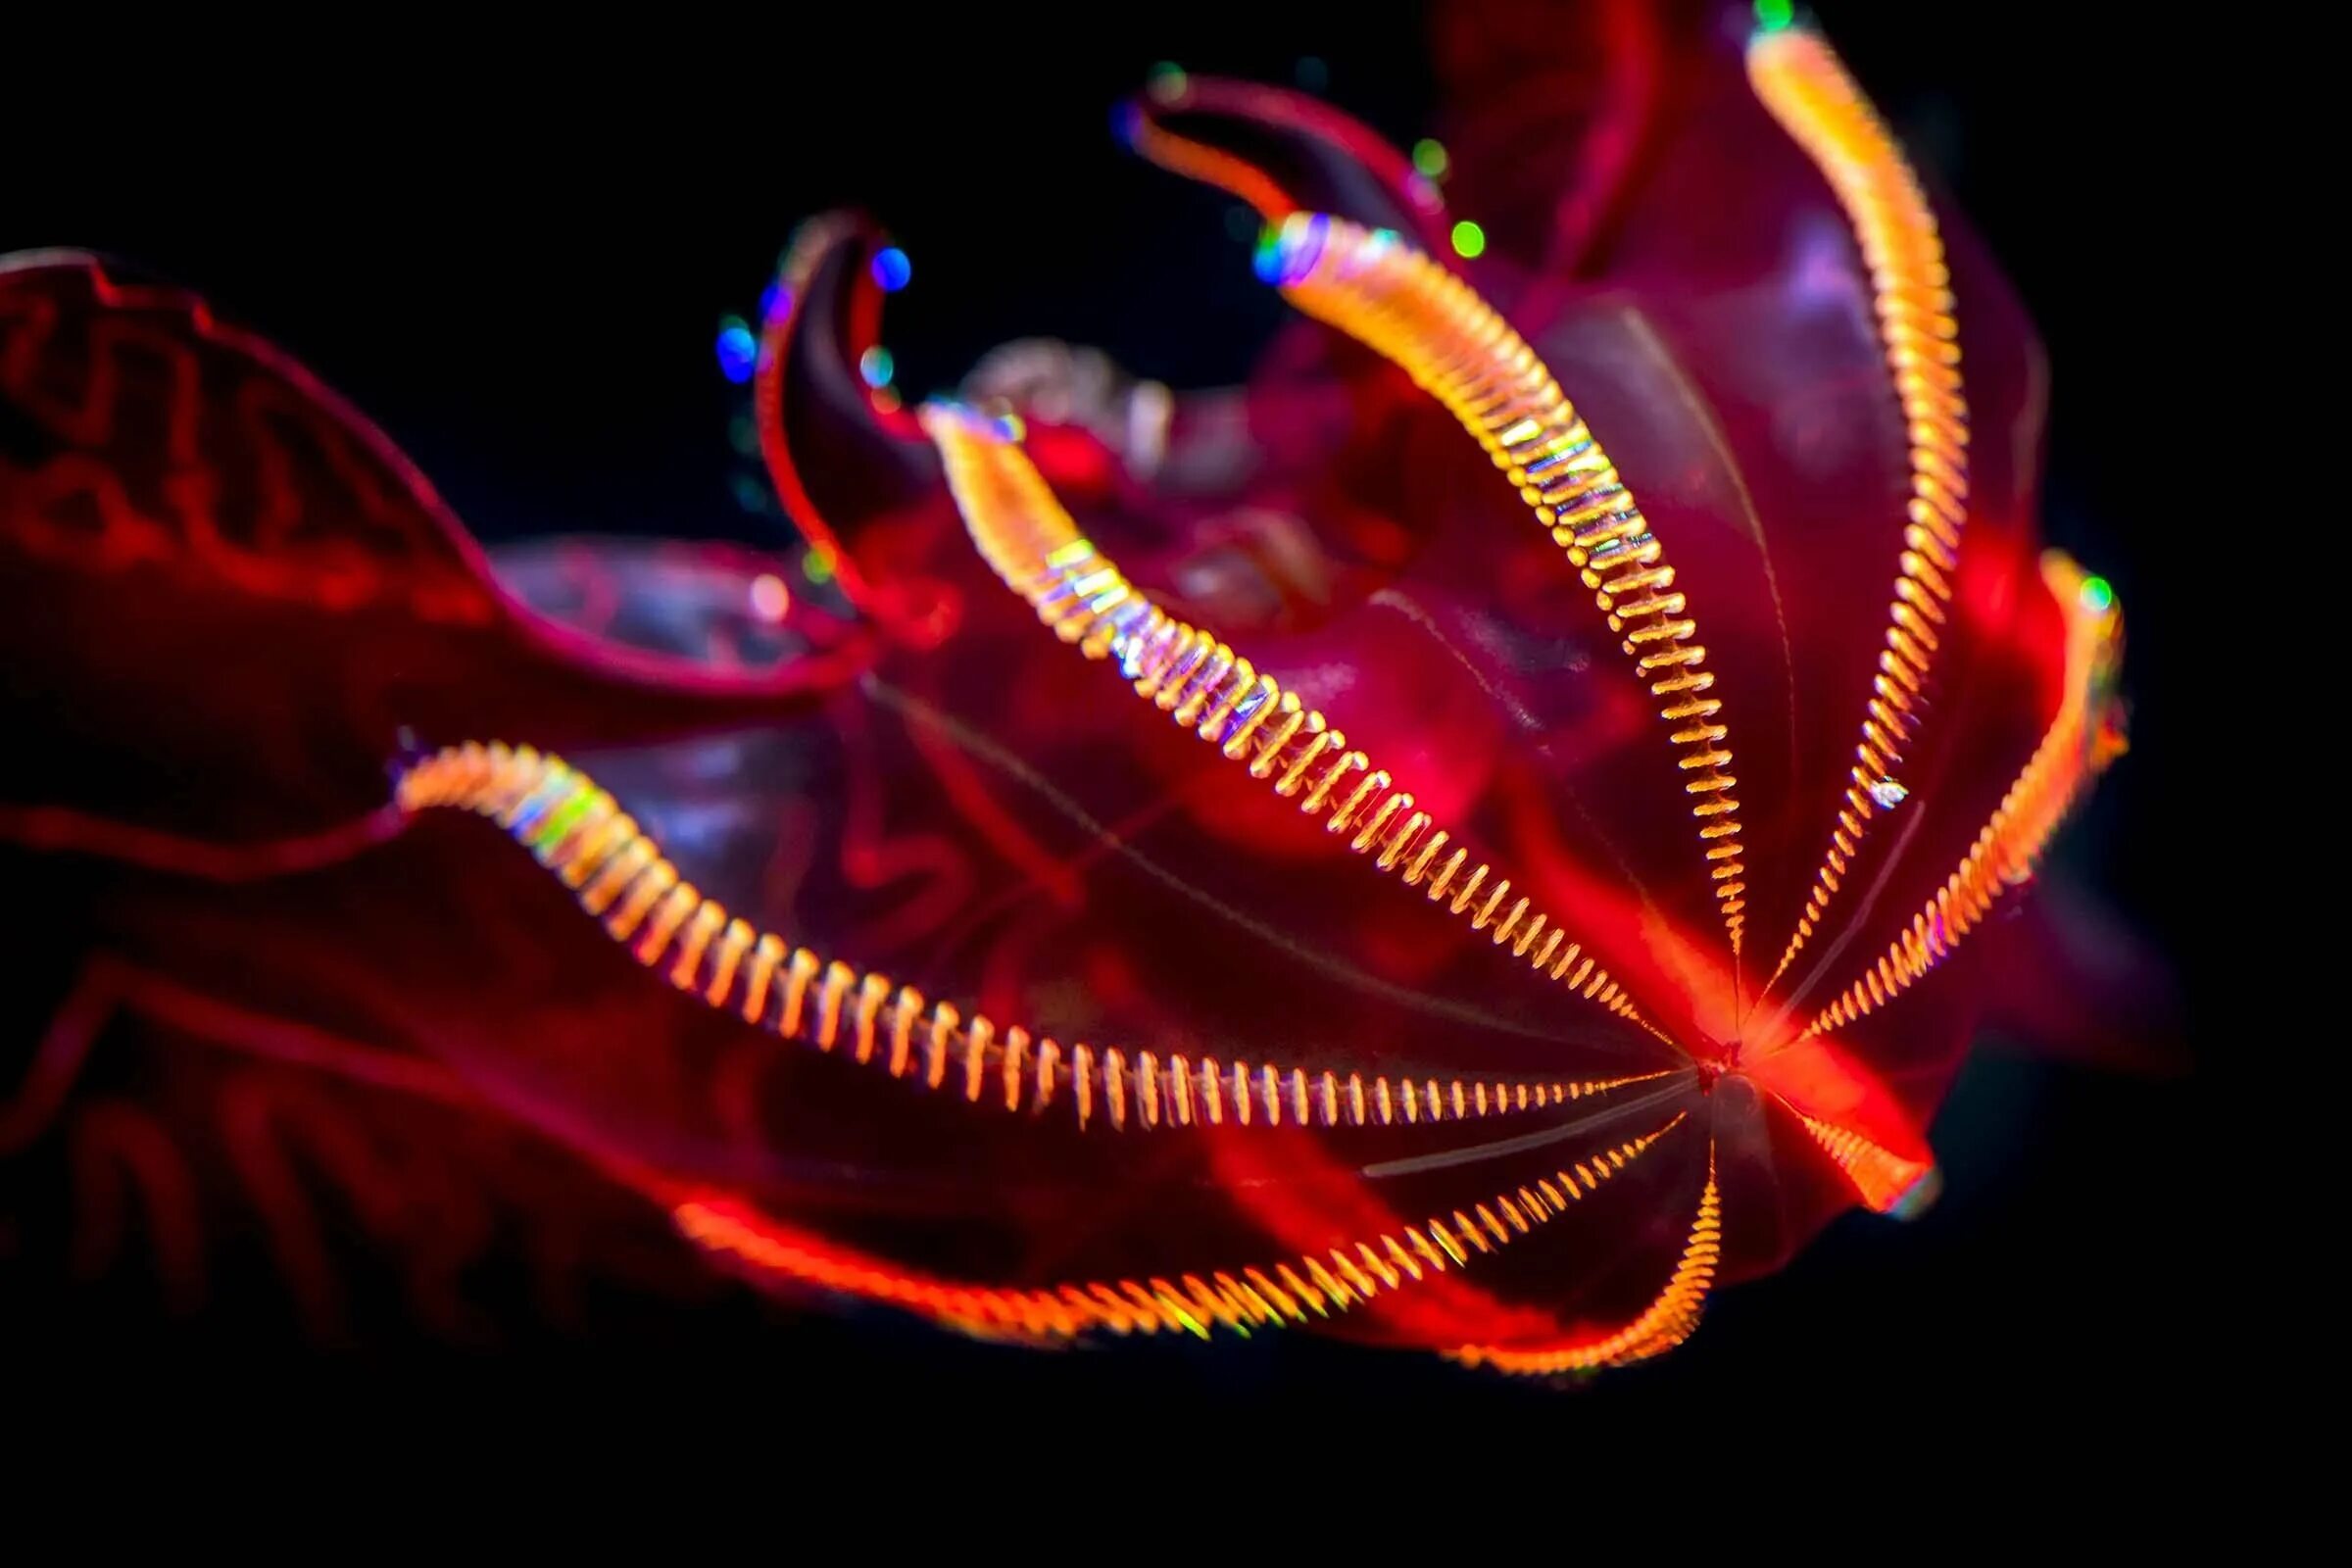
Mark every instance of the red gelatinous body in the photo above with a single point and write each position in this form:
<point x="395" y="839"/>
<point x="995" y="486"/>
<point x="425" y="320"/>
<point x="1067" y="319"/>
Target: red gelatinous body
<point x="1466" y="842"/>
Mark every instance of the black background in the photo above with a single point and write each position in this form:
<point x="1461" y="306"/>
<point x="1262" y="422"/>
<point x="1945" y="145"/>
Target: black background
<point x="514" y="256"/>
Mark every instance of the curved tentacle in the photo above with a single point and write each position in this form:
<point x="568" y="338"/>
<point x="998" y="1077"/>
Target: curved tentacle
<point x="1414" y="312"/>
<point x="1800" y="78"/>
<point x="1282" y="152"/>
<point x="839" y="459"/>
<point x="2083" y="739"/>
<point x="1037" y="548"/>
<point x="1669" y="1319"/>
<point x="1884" y="1180"/>
<point x="1344" y="1277"/>
<point x="580" y="833"/>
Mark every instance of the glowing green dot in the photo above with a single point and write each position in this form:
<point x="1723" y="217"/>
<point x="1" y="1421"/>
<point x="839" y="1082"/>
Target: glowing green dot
<point x="818" y="566"/>
<point x="877" y="366"/>
<point x="559" y="825"/>
<point x="1429" y="157"/>
<point x="2096" y="594"/>
<point x="1774" y="15"/>
<point x="1166" y="81"/>
<point x="1469" y="239"/>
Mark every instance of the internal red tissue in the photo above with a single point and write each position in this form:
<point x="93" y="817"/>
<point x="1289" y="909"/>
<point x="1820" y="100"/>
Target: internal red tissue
<point x="1139" y="860"/>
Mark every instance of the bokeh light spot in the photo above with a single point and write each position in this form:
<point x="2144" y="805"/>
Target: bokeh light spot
<point x="751" y="495"/>
<point x="771" y="598"/>
<point x="1267" y="261"/>
<point x="891" y="269"/>
<point x="738" y="349"/>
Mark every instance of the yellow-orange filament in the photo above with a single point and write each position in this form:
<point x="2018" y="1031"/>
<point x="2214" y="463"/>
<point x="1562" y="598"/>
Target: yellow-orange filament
<point x="1210" y="166"/>
<point x="1408" y="308"/>
<point x="1799" y="79"/>
<point x="578" y="832"/>
<point x="1316" y="1284"/>
<point x="1883" y="1178"/>
<point x="1026" y="537"/>
<point x="1665" y="1323"/>
<point x="2080" y="741"/>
